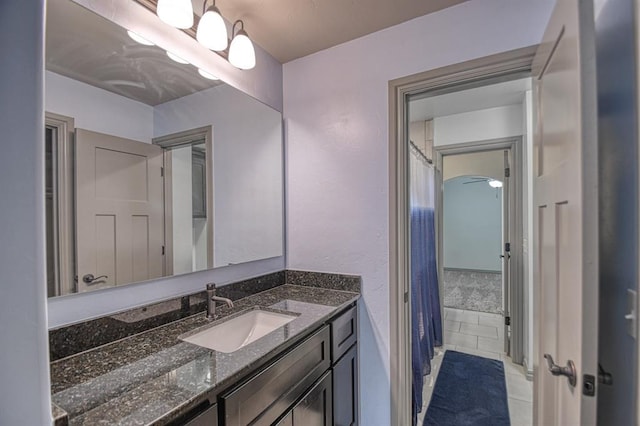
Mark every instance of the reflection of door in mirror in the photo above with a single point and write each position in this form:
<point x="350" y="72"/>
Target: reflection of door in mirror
<point x="188" y="200"/>
<point x="119" y="210"/>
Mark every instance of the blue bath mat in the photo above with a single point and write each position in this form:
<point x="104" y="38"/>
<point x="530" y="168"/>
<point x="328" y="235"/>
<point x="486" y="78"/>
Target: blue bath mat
<point x="470" y="390"/>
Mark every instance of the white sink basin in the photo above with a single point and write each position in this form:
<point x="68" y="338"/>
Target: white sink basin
<point x="239" y="331"/>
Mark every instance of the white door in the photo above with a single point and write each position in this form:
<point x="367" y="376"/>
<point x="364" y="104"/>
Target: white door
<point x="119" y="209"/>
<point x="565" y="212"/>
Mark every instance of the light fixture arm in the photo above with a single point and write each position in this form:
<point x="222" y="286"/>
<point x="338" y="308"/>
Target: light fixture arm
<point x="233" y="29"/>
<point x="205" y="8"/>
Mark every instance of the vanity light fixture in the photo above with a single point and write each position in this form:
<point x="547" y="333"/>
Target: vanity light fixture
<point x="212" y="31"/>
<point x="206" y="74"/>
<point x="176" y="58"/>
<point x="177" y="13"/>
<point x="241" y="52"/>
<point x="138" y="38"/>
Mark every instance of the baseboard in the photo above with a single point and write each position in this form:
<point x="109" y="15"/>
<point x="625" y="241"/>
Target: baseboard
<point x="483" y="271"/>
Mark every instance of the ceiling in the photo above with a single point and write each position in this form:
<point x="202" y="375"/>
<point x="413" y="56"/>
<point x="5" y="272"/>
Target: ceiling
<point x="491" y="96"/>
<point x="84" y="46"/>
<point x="291" y="29"/>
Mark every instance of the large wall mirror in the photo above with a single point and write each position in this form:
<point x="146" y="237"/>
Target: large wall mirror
<point x="153" y="168"/>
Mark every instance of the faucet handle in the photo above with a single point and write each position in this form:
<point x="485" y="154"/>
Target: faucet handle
<point x="211" y="286"/>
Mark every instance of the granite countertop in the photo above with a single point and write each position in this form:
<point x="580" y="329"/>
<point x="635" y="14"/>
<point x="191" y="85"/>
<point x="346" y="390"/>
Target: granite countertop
<point x="153" y="377"/>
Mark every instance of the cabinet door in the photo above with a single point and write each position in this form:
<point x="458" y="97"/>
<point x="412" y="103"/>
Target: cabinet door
<point x="345" y="389"/>
<point x="287" y="421"/>
<point x="316" y="407"/>
<point x="208" y="417"/>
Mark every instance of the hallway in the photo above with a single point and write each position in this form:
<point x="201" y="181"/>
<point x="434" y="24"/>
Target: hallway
<point x="482" y="334"/>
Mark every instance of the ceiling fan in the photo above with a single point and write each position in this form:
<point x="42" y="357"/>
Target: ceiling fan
<point x="494" y="183"/>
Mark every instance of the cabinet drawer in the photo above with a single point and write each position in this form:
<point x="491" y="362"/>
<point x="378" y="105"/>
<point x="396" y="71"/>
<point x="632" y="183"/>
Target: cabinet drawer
<point x="344" y="333"/>
<point x="271" y="392"/>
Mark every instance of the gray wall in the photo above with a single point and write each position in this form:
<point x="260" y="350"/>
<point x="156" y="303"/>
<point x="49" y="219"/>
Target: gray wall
<point x="618" y="201"/>
<point x="24" y="369"/>
<point x="472" y="236"/>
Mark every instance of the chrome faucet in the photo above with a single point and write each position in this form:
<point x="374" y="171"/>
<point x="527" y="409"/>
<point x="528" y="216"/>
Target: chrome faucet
<point x="211" y="301"/>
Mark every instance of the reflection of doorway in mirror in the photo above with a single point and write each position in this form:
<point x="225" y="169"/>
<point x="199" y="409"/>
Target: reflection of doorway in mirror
<point x="188" y="200"/>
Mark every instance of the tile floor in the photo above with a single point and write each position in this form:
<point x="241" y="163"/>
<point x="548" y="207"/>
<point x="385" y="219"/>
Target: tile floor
<point x="482" y="334"/>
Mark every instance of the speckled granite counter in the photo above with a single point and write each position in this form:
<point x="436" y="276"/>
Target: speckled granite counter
<point x="153" y="377"/>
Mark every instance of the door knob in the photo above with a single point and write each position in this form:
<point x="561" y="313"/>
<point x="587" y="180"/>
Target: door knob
<point x="569" y="371"/>
<point x="90" y="279"/>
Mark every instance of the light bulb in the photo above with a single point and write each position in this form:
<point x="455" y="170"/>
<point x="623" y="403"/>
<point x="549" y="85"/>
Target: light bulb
<point x="138" y="38"/>
<point x="207" y="74"/>
<point x="176" y="58"/>
<point x="241" y="52"/>
<point x="177" y="13"/>
<point x="495" y="183"/>
<point x="212" y="31"/>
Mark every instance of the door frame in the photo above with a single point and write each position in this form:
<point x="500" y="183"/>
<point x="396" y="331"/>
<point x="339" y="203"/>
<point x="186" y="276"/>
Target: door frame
<point x="64" y="219"/>
<point x="468" y="74"/>
<point x="516" y="296"/>
<point x="174" y="140"/>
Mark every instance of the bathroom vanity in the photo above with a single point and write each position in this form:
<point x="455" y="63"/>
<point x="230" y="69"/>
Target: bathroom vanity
<point x="302" y="373"/>
<point x="156" y="173"/>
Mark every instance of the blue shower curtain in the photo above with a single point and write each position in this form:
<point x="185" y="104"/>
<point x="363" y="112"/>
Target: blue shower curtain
<point x="425" y="298"/>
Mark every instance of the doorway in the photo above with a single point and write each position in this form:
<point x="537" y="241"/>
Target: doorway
<point x="472" y="234"/>
<point x="449" y="80"/>
<point x="475" y="213"/>
<point x="480" y="245"/>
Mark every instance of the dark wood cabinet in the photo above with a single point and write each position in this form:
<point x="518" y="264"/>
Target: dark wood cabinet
<point x="209" y="417"/>
<point x="315" y="408"/>
<point x="269" y="394"/>
<point x="345" y="389"/>
<point x="314" y="384"/>
<point x="287" y="421"/>
<point x="344" y="333"/>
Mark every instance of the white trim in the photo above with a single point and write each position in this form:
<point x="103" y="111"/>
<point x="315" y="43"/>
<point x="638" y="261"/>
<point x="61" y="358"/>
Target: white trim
<point x="187" y="137"/>
<point x="64" y="210"/>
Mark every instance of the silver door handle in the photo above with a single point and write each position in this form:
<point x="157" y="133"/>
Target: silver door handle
<point x="90" y="279"/>
<point x="569" y="371"/>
